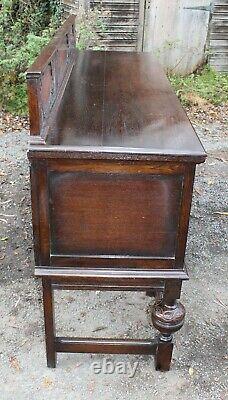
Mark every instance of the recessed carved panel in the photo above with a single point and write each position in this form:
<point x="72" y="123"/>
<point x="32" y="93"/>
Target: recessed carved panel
<point x="114" y="214"/>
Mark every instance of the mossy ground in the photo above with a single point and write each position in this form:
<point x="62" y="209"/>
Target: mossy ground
<point x="206" y="85"/>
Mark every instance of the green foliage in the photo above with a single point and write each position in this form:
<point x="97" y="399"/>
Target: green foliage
<point x="206" y="84"/>
<point x="25" y="27"/>
<point x="90" y="26"/>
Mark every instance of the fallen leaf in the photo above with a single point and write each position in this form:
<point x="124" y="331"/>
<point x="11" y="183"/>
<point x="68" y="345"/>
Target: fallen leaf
<point x="191" y="371"/>
<point x="209" y="182"/>
<point x="47" y="382"/>
<point x="14" y="363"/>
<point x="196" y="100"/>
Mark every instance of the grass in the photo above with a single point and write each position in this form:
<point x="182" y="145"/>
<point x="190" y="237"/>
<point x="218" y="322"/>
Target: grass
<point x="205" y="84"/>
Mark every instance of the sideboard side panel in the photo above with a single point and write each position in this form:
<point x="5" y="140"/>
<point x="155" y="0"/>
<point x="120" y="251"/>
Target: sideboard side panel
<point x="114" y="213"/>
<point x="51" y="185"/>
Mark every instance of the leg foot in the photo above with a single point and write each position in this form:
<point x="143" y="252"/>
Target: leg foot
<point x="49" y="322"/>
<point x="163" y="355"/>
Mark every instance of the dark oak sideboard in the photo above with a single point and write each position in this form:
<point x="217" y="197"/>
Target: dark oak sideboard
<point x="113" y="158"/>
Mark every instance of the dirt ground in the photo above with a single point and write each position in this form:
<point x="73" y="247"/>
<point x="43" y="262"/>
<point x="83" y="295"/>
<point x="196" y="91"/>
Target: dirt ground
<point x="198" y="369"/>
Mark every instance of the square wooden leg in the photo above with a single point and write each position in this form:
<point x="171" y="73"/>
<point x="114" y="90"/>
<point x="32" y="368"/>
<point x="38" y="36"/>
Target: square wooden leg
<point x="163" y="355"/>
<point x="49" y="321"/>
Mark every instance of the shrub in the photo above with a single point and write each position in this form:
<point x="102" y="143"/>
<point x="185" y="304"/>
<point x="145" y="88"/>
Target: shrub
<point x="25" y="27"/>
<point x="89" y="29"/>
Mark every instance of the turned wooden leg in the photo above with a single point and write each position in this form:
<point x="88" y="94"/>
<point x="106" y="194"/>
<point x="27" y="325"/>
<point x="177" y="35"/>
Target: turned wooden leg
<point x="49" y="321"/>
<point x="167" y="317"/>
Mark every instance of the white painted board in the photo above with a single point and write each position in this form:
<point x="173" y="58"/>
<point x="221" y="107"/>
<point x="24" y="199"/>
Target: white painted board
<point x="176" y="33"/>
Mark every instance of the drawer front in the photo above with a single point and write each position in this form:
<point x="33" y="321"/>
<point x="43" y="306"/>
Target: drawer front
<point x="114" y="215"/>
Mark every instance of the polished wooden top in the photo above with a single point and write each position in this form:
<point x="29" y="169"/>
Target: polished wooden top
<point x="123" y="103"/>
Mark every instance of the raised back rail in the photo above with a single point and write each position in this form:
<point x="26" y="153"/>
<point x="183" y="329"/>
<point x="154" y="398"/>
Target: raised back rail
<point x="47" y="77"/>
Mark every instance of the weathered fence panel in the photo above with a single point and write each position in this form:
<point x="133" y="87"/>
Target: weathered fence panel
<point x="219" y="36"/>
<point x="176" y="32"/>
<point x="181" y="33"/>
<point x="121" y="18"/>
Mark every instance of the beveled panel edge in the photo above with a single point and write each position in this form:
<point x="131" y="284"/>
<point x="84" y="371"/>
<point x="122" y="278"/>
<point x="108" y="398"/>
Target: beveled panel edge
<point x="111" y="261"/>
<point x="126" y="167"/>
<point x="157" y="286"/>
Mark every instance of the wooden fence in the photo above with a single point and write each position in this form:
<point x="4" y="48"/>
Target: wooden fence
<point x="181" y="33"/>
<point x="219" y="36"/>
